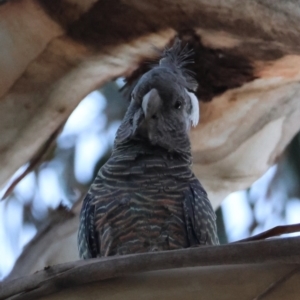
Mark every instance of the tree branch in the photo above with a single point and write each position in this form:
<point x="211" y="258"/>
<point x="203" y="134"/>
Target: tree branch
<point x="68" y="275"/>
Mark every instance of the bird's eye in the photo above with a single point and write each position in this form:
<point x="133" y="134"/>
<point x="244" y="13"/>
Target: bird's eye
<point x="178" y="104"/>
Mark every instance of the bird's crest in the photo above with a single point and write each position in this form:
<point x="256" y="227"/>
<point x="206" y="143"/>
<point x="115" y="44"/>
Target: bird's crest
<point x="178" y="57"/>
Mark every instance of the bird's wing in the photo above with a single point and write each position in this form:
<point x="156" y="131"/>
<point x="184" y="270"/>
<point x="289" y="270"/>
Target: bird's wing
<point x="200" y="216"/>
<point x="88" y="241"/>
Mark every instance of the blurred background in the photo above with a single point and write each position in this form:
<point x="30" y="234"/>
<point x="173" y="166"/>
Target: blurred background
<point x="60" y="178"/>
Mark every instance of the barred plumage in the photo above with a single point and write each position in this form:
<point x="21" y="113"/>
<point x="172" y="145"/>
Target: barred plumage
<point x="146" y="197"/>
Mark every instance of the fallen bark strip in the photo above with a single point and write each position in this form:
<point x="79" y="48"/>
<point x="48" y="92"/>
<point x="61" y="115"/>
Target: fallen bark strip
<point x="275" y="231"/>
<point x="37" y="159"/>
<point x="57" y="278"/>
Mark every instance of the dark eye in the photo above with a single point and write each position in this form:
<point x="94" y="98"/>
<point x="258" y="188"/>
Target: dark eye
<point x="177" y="104"/>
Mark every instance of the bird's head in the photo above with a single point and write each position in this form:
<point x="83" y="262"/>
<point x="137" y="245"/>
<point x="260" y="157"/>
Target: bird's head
<point x="163" y="106"/>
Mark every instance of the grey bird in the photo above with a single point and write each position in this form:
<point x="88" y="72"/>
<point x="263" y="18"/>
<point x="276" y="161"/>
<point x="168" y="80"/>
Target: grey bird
<point x="145" y="197"/>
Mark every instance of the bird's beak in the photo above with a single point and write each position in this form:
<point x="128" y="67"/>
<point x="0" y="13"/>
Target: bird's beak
<point x="151" y="104"/>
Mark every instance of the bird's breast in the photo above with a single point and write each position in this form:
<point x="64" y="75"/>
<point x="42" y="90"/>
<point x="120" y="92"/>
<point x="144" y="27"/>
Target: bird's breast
<point x="142" y="223"/>
<point x="139" y="204"/>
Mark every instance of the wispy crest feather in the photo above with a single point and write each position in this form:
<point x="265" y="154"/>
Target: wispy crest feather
<point x="179" y="57"/>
